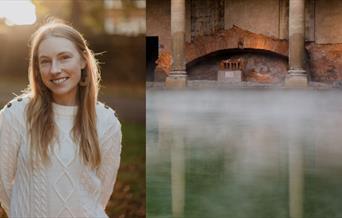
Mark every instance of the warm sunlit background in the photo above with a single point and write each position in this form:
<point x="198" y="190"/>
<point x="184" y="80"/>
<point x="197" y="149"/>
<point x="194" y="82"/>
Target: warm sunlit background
<point x="26" y="12"/>
<point x="114" y="28"/>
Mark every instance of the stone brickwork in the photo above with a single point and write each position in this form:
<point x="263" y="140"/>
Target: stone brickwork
<point x="231" y="39"/>
<point x="207" y="17"/>
<point x="325" y="62"/>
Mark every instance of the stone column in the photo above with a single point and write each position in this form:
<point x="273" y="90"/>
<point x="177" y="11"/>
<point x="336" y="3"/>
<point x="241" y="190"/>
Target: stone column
<point x="177" y="77"/>
<point x="297" y="76"/>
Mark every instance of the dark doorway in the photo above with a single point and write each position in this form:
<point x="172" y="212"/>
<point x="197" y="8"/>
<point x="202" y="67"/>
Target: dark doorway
<point x="151" y="56"/>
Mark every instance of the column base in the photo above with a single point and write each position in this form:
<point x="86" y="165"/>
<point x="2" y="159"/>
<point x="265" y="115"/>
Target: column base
<point x="296" y="79"/>
<point x="176" y="80"/>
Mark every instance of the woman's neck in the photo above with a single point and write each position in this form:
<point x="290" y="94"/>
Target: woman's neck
<point x="65" y="101"/>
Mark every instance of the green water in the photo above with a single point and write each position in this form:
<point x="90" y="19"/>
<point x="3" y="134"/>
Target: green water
<point x="244" y="153"/>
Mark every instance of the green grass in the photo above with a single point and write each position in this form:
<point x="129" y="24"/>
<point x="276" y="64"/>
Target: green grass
<point x="128" y="199"/>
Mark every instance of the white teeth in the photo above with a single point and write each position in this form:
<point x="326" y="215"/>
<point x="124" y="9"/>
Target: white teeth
<point x="58" y="81"/>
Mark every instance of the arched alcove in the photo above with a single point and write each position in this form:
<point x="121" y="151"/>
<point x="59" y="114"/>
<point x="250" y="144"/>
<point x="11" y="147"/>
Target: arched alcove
<point x="258" y="65"/>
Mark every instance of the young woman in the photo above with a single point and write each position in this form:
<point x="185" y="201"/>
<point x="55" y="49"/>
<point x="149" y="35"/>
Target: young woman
<point x="60" y="148"/>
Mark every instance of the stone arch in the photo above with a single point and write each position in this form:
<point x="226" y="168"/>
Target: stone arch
<point x="234" y="38"/>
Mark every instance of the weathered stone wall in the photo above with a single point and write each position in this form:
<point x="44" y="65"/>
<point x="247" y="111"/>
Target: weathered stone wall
<point x="258" y="67"/>
<point x="158" y="22"/>
<point x="268" y="17"/>
<point x="260" y="24"/>
<point x="259" y="16"/>
<point x="207" y="17"/>
<point x="309" y="20"/>
<point x="325" y="62"/>
<point x="265" y="68"/>
<point x="328" y="21"/>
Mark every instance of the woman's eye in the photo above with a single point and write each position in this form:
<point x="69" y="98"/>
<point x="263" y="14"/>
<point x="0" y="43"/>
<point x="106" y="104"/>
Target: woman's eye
<point x="44" y="61"/>
<point x="65" y="57"/>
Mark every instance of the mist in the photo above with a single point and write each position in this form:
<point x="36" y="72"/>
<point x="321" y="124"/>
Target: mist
<point x="244" y="153"/>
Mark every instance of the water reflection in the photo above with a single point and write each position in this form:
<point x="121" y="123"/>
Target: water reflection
<point x="296" y="175"/>
<point x="178" y="176"/>
<point x="244" y="153"/>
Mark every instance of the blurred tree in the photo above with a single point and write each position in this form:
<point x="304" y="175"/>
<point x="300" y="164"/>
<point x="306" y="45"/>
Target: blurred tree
<point x="94" y="21"/>
<point x="76" y="14"/>
<point x="52" y="8"/>
<point x="85" y="15"/>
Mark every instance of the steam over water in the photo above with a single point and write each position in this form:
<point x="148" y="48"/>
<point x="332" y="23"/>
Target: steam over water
<point x="244" y="153"/>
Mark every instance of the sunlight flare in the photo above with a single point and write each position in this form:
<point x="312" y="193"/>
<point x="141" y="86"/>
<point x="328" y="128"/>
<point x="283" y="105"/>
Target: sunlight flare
<point x="18" y="12"/>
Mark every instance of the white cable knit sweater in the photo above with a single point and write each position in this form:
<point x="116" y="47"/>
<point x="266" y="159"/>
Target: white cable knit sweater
<point x="65" y="187"/>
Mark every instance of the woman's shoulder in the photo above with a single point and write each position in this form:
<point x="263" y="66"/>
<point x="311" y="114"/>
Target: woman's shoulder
<point x="106" y="115"/>
<point x="16" y="107"/>
<point x="13" y="113"/>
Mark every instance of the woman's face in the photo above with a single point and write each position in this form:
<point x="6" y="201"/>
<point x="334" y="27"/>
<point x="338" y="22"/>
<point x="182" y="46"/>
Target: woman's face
<point x="60" y="66"/>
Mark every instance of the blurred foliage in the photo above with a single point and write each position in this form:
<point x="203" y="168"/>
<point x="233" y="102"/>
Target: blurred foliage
<point x="85" y="15"/>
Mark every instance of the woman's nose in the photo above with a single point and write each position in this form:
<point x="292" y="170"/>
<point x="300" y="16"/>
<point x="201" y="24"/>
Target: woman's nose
<point x="55" y="67"/>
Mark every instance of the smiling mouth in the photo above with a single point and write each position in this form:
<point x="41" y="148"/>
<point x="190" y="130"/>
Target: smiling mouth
<point x="59" y="80"/>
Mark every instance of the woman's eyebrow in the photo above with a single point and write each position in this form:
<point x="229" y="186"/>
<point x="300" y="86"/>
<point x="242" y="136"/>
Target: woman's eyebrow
<point x="58" y="54"/>
<point x="42" y="56"/>
<point x="64" y="53"/>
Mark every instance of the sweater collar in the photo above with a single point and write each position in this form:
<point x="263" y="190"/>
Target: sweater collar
<point x="64" y="110"/>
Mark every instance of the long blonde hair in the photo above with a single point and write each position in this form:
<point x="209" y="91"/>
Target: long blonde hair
<point x="41" y="125"/>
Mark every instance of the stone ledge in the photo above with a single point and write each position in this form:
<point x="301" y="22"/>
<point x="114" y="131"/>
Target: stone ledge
<point x="213" y="84"/>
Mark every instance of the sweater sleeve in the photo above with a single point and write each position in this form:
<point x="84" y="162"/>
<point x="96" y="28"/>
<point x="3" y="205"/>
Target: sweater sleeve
<point x="9" y="146"/>
<point x="111" y="150"/>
